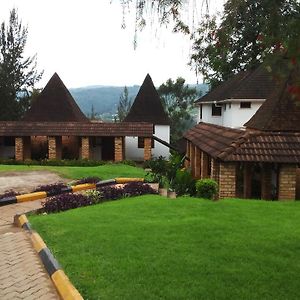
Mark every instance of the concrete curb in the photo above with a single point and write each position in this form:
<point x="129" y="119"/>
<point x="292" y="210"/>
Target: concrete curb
<point x="65" y="288"/>
<point x="71" y="189"/>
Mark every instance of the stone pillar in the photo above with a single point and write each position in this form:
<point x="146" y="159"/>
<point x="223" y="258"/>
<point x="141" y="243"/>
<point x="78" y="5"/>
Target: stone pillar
<point x="119" y="148"/>
<point x="51" y="147"/>
<point x="204" y="165"/>
<point x="215" y="170"/>
<point x="247" y="181"/>
<point x="287" y="182"/>
<point x="227" y="180"/>
<point x="22" y="148"/>
<point x="266" y="184"/>
<point x="197" y="174"/>
<point x="54" y="147"/>
<point x="147" y="148"/>
<point x="19" y="149"/>
<point x="85" y="147"/>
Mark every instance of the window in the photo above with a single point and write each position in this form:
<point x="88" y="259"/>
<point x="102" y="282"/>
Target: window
<point x="141" y="143"/>
<point x="216" y="110"/>
<point x="246" y="104"/>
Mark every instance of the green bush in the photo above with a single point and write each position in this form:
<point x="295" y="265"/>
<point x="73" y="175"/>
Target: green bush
<point x="206" y="188"/>
<point x="183" y="183"/>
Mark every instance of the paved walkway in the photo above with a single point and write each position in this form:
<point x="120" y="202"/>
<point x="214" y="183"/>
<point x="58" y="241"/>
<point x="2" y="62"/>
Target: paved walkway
<point x="22" y="275"/>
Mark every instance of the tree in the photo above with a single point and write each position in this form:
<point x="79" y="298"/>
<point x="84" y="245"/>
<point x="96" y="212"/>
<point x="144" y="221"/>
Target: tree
<point x="249" y="33"/>
<point x="18" y="75"/>
<point x="124" y="105"/>
<point x="178" y="100"/>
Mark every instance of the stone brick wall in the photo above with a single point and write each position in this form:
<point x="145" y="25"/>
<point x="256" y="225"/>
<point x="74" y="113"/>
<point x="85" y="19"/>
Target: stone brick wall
<point x="19" y="148"/>
<point x="227" y="180"/>
<point x="147" y="148"/>
<point x="119" y="148"/>
<point x="287" y="182"/>
<point x="215" y="170"/>
<point x="51" y="147"/>
<point x="85" y="148"/>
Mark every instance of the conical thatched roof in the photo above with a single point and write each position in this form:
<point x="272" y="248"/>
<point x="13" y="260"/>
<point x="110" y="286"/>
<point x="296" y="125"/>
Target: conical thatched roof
<point x="147" y="106"/>
<point x="55" y="104"/>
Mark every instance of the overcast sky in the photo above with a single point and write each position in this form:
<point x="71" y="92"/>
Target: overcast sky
<point x="83" y="42"/>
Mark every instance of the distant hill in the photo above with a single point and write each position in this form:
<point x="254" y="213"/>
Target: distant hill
<point x="105" y="99"/>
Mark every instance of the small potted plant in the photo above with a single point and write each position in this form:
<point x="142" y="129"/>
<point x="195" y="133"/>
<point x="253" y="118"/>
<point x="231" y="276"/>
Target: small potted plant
<point x="164" y="185"/>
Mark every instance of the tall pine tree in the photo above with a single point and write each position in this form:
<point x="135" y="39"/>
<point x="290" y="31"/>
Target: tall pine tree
<point x="18" y="75"/>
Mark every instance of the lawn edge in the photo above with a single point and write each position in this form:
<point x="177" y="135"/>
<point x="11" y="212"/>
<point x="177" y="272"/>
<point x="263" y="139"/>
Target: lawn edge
<point x="59" y="279"/>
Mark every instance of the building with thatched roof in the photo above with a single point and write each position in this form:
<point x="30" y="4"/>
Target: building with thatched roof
<point x="261" y="160"/>
<point x="55" y="128"/>
<point x="147" y="107"/>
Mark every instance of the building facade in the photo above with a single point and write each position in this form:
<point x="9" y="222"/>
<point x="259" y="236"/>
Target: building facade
<point x="260" y="161"/>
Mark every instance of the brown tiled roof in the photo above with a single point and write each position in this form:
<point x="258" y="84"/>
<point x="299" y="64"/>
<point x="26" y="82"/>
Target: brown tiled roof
<point x="55" y="104"/>
<point x="229" y="144"/>
<point x="212" y="139"/>
<point x="255" y="84"/>
<point x="147" y="106"/>
<point x="281" y="111"/>
<point x="75" y="129"/>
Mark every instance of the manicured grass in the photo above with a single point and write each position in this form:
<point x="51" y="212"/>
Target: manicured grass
<point x="104" y="172"/>
<point x="150" y="247"/>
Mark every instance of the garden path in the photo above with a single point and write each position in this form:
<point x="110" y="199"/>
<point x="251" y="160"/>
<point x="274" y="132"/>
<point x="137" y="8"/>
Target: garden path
<point x="24" y="182"/>
<point x="22" y="275"/>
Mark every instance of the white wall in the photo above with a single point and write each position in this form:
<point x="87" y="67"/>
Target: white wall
<point x="132" y="151"/>
<point x="237" y="117"/>
<point x="207" y="117"/>
<point x="234" y="116"/>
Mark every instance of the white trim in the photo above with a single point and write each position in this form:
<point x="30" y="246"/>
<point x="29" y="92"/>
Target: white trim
<point x="232" y="100"/>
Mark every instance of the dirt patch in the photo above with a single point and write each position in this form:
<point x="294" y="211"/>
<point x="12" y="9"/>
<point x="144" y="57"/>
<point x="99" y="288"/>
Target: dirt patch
<point x="24" y="182"/>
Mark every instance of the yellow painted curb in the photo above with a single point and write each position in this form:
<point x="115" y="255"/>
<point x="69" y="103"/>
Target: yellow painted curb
<point x="22" y="220"/>
<point x="31" y="196"/>
<point x="37" y="242"/>
<point x="126" y="180"/>
<point x="65" y="288"/>
<point x="82" y="187"/>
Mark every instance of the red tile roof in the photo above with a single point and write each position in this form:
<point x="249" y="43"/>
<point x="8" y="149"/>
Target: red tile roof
<point x="147" y="106"/>
<point x="229" y="144"/>
<point x="55" y="104"/>
<point x="75" y="129"/>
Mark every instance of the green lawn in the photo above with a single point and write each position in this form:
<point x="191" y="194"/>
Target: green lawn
<point x="151" y="247"/>
<point x="107" y="171"/>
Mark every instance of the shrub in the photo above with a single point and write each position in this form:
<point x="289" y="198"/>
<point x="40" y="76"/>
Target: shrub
<point x="184" y="183"/>
<point x="137" y="188"/>
<point x="206" y="188"/>
<point x="95" y="196"/>
<point x="111" y="192"/>
<point x="128" y="190"/>
<point x="65" y="202"/>
<point x="9" y="193"/>
<point x="92" y="179"/>
<point x="51" y="189"/>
